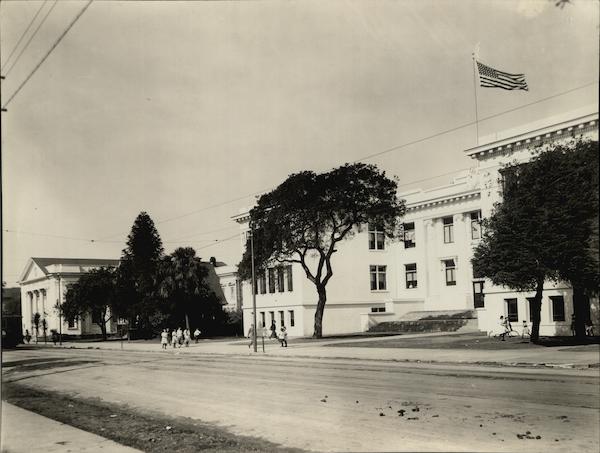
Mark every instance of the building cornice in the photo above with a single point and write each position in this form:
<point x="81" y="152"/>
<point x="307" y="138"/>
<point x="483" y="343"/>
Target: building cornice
<point x="574" y="127"/>
<point x="446" y="199"/>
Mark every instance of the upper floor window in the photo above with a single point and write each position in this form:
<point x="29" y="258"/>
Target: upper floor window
<point x="450" y="272"/>
<point x="376" y="237"/>
<point x="378" y="309"/>
<point x="476" y="225"/>
<point x="409" y="235"/>
<point x="261" y="283"/>
<point x="378" y="277"/>
<point x="448" y="230"/>
<point x="411" y="275"/>
<point x="271" y="280"/>
<point x="290" y="281"/>
<point x="280" y="279"/>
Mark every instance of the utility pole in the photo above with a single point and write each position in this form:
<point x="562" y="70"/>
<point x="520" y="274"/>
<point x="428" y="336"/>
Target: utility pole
<point x="255" y="330"/>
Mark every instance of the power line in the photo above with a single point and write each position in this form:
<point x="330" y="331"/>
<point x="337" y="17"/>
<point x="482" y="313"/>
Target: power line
<point x="30" y="38"/>
<point x="48" y="53"/>
<point x="104" y="239"/>
<point x="471" y="123"/>
<point x="24" y="33"/>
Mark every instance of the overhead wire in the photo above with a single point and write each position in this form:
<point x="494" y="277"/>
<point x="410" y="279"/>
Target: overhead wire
<point x="24" y="33"/>
<point x="30" y="39"/>
<point x="388" y="150"/>
<point x="48" y="53"/>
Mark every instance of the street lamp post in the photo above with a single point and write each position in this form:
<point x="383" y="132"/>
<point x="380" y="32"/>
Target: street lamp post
<point x="253" y="286"/>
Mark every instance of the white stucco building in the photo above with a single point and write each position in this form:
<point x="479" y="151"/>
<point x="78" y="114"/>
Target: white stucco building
<point x="430" y="270"/>
<point x="44" y="283"/>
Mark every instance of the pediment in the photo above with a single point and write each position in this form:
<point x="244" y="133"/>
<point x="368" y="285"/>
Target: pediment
<point x="32" y="271"/>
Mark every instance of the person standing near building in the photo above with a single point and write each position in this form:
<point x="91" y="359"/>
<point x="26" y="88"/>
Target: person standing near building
<point x="197" y="334"/>
<point x="504" y="327"/>
<point x="187" y="337"/>
<point x="251" y="335"/>
<point x="164" y="339"/>
<point x="283" y="337"/>
<point x="573" y="331"/>
<point x="273" y="330"/>
<point x="526" y="330"/>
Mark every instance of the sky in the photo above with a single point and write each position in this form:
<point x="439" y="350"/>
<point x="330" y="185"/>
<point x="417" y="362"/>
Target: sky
<point x="187" y="110"/>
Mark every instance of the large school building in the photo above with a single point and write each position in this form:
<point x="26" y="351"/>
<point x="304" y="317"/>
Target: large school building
<point x="429" y="270"/>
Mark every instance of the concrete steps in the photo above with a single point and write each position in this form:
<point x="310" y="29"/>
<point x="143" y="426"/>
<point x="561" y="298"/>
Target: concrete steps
<point x="431" y="321"/>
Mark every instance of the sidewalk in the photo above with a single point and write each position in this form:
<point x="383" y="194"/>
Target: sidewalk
<point x="27" y="432"/>
<point x="555" y="357"/>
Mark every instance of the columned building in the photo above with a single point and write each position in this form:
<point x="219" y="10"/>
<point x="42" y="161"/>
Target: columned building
<point x="430" y="269"/>
<point x="44" y="283"/>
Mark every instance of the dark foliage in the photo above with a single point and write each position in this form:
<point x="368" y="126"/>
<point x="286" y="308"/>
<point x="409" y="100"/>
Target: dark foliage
<point x="303" y="219"/>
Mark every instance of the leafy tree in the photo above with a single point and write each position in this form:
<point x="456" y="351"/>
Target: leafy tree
<point x="136" y="283"/>
<point x="92" y="295"/>
<point x="304" y="219"/>
<point x="182" y="284"/>
<point x="546" y="228"/>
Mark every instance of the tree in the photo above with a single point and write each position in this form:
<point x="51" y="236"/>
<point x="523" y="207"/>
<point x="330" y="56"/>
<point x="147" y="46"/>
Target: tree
<point x="136" y="277"/>
<point x="92" y="295"/>
<point x="182" y="284"/>
<point x="546" y="227"/>
<point x="36" y="324"/>
<point x="304" y="219"/>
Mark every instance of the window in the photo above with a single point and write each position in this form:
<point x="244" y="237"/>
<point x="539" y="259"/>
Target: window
<point x="478" y="296"/>
<point x="411" y="275"/>
<point x="448" y="230"/>
<point x="450" y="272"/>
<point x="72" y="323"/>
<point x="376" y="238"/>
<point x="512" y="310"/>
<point x="96" y="316"/>
<point x="476" y="225"/>
<point x="280" y="287"/>
<point x="292" y="321"/>
<point x="409" y="235"/>
<point x="288" y="273"/>
<point x="263" y="321"/>
<point x="377" y="309"/>
<point x="282" y="318"/>
<point x="271" y="280"/>
<point x="558" y="308"/>
<point x="262" y="281"/>
<point x="378" y="278"/>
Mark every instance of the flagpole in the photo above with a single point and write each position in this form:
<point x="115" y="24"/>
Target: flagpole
<point x="475" y="91"/>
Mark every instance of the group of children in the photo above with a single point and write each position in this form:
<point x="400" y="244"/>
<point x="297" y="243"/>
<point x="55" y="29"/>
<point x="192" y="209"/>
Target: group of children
<point x="178" y="337"/>
<point x="281" y="335"/>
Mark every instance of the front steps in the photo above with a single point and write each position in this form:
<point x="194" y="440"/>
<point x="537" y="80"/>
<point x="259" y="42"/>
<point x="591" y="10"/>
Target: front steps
<point x="431" y="321"/>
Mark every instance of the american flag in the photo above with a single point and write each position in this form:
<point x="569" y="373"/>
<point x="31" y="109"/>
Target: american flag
<point x="492" y="78"/>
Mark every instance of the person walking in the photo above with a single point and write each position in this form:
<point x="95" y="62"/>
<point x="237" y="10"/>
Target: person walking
<point x="251" y="336"/>
<point x="174" y="338"/>
<point x="525" y="330"/>
<point x="573" y="330"/>
<point x="187" y="338"/>
<point x="164" y="339"/>
<point x="504" y="327"/>
<point x="179" y="336"/>
<point x="273" y="330"/>
<point x="283" y="337"/>
<point x="197" y="334"/>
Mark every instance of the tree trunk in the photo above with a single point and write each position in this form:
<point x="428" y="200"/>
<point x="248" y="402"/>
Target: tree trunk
<point x="319" y="313"/>
<point x="581" y="309"/>
<point x="187" y="322"/>
<point x="536" y="308"/>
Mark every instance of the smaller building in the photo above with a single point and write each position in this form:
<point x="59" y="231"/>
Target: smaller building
<point x="44" y="283"/>
<point x="231" y="286"/>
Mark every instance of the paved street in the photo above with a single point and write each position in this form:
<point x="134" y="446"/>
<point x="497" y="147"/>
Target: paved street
<point x="336" y="405"/>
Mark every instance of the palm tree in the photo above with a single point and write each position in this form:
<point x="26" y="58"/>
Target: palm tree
<point x="181" y="282"/>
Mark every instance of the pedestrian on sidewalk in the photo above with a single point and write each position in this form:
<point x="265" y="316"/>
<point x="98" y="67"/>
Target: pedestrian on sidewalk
<point x="526" y="330"/>
<point x="251" y="336"/>
<point x="197" y="334"/>
<point x="504" y="327"/>
<point x="27" y="336"/>
<point x="179" y="336"/>
<point x="573" y="331"/>
<point x="283" y="337"/>
<point x="164" y="339"/>
<point x="187" y="338"/>
<point x="273" y="330"/>
<point x="174" y="338"/>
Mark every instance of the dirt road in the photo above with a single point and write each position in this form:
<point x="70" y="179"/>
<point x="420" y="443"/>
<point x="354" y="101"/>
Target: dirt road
<point x="336" y="405"/>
